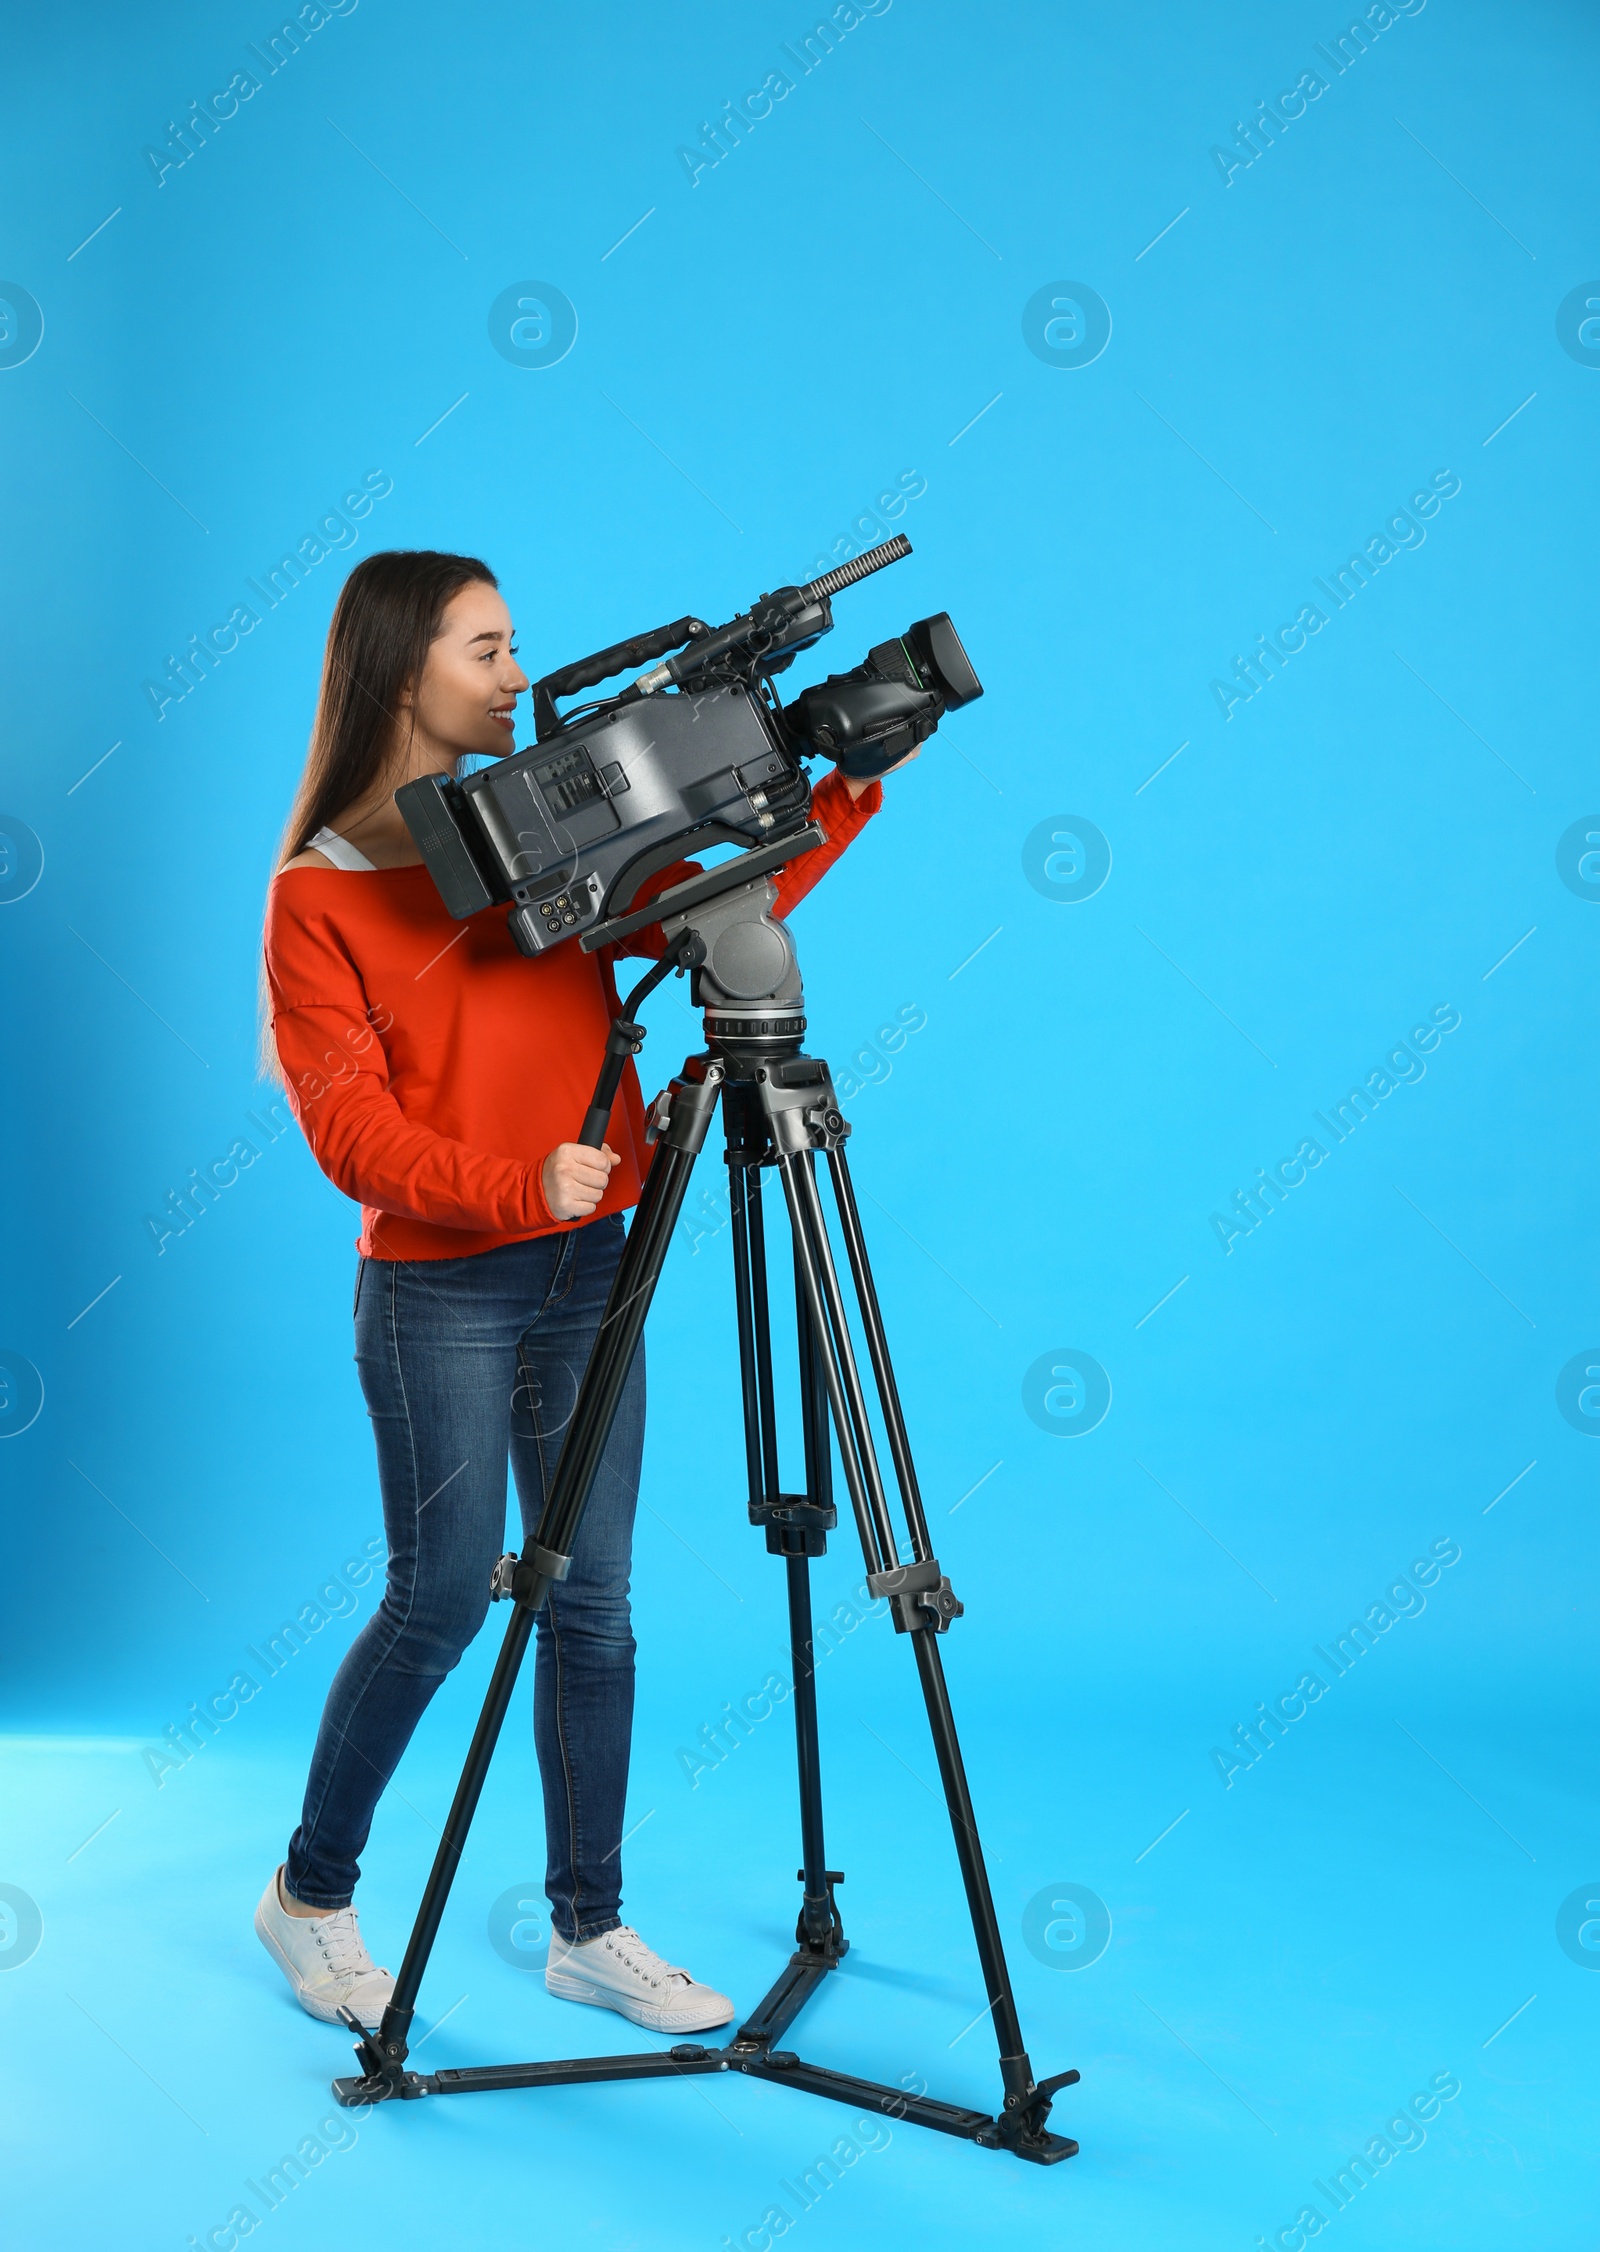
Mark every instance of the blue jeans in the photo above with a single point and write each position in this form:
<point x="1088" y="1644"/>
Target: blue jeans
<point x="464" y="1361"/>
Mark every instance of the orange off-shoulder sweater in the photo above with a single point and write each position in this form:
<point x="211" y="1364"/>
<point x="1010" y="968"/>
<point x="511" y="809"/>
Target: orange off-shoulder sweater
<point x="433" y="1068"/>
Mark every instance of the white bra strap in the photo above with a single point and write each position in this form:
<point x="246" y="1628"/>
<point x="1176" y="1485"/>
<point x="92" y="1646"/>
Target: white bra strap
<point x="339" y="850"/>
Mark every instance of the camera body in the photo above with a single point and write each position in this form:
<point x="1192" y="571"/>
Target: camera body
<point x="698" y="750"/>
<point x="567" y="831"/>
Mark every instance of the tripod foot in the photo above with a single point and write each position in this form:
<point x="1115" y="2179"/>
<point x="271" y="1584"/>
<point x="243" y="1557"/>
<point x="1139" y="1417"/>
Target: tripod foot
<point x="383" y="2076"/>
<point x="1021" y="2127"/>
<point x="353" y="2093"/>
<point x="1044" y="2150"/>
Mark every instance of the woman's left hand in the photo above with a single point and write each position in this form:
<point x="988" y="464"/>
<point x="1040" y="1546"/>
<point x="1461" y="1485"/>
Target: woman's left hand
<point x="575" y="1178"/>
<point x="856" y="788"/>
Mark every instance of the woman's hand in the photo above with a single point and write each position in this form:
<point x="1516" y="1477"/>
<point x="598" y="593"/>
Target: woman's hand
<point x="857" y="788"/>
<point x="574" y="1178"/>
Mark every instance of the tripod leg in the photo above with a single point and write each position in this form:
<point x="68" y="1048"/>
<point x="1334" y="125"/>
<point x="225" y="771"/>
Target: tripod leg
<point x="761" y="1331"/>
<point x="919" y="1596"/>
<point x="813" y="1400"/>
<point x="1015" y="2070"/>
<point x="757" y="1476"/>
<point x="930" y="1666"/>
<point x="830" y="1339"/>
<point x="816" y="1915"/>
<point x="878" y="1347"/>
<point x="819" y="1929"/>
<point x="820" y="1926"/>
<point x="547" y="1555"/>
<point x="797" y="1526"/>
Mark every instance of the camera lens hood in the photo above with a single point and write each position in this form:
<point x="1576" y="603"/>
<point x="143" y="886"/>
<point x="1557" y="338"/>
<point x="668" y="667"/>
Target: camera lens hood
<point x="936" y="646"/>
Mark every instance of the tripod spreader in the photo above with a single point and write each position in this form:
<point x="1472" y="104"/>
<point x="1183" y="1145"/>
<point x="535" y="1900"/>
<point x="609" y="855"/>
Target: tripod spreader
<point x="780" y="1114"/>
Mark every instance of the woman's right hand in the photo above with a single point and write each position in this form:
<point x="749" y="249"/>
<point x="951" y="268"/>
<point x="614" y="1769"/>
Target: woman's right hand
<point x="574" y="1178"/>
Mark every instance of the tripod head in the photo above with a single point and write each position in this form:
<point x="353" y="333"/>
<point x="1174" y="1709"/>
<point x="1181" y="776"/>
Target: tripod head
<point x="747" y="978"/>
<point x="719" y="926"/>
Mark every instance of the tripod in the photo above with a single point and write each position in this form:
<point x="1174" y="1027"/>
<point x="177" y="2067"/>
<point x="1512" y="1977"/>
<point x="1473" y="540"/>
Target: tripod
<point x="779" y="1114"/>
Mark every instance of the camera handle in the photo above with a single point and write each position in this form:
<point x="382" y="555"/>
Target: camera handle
<point x="588" y="671"/>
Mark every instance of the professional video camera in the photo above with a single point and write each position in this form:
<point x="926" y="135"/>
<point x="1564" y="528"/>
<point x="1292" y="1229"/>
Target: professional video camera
<point x="698" y="750"/>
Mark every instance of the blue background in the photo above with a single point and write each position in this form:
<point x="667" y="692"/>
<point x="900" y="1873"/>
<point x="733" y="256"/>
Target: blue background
<point x="815" y="322"/>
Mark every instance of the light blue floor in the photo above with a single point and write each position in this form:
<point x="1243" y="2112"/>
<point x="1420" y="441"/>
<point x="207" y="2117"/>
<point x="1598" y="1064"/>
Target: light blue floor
<point x="1345" y="1930"/>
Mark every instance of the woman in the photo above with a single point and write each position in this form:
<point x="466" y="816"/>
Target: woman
<point x="436" y="1074"/>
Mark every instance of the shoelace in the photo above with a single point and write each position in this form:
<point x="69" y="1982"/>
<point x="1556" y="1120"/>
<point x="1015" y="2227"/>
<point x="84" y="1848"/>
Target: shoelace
<point x="343" y="1949"/>
<point x="646" y="1964"/>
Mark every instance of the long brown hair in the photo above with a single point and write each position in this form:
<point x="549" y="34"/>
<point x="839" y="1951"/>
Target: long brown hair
<point x="389" y="611"/>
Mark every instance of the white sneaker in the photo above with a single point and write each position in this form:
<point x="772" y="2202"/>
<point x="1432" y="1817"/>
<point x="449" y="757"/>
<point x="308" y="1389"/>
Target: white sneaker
<point x="324" y="1959"/>
<point x="619" y="1972"/>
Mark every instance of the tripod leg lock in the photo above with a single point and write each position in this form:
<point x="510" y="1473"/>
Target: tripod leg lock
<point x="682" y="1112"/>
<point x="515" y="1577"/>
<point x="920" y="1597"/>
<point x="820" y="1930"/>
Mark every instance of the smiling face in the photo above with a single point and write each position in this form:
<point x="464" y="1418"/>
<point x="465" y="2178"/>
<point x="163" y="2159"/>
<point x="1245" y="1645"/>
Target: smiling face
<point x="465" y="702"/>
